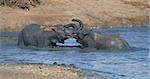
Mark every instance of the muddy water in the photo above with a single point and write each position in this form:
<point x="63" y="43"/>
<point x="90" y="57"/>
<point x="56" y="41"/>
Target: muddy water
<point x="130" y="64"/>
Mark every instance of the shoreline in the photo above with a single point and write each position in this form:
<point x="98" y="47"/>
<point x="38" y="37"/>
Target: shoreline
<point x="43" y="71"/>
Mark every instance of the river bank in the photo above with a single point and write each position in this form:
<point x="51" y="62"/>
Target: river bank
<point x="101" y="13"/>
<point x="39" y="71"/>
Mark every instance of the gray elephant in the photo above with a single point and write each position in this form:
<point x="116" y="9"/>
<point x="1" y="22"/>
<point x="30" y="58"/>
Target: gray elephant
<point x="91" y="39"/>
<point x="33" y="35"/>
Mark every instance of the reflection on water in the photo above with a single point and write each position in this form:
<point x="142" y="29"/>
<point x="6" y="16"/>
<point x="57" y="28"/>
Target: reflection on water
<point x="133" y="64"/>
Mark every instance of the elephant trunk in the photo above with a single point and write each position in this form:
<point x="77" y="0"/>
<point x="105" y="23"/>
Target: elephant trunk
<point x="81" y="25"/>
<point x="70" y="25"/>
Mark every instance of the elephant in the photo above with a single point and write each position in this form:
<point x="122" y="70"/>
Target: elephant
<point x="33" y="35"/>
<point x="88" y="38"/>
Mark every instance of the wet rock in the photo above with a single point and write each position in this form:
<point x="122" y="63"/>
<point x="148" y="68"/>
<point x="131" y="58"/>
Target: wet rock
<point x="40" y="67"/>
<point x="72" y="65"/>
<point x="64" y="65"/>
<point x="55" y="63"/>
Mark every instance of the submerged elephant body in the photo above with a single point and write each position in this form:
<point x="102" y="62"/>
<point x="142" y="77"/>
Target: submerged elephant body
<point x="33" y="35"/>
<point x="111" y="42"/>
<point x="99" y="41"/>
<point x="91" y="39"/>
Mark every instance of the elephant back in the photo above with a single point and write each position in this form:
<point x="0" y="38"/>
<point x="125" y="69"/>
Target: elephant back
<point x="29" y="33"/>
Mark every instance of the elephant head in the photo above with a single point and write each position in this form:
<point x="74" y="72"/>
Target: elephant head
<point x="73" y="29"/>
<point x="78" y="32"/>
<point x="64" y="32"/>
<point x="88" y="38"/>
<point x="61" y="34"/>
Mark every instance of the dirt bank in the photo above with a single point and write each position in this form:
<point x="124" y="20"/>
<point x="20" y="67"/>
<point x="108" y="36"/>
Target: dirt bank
<point x="37" y="71"/>
<point x="92" y="12"/>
